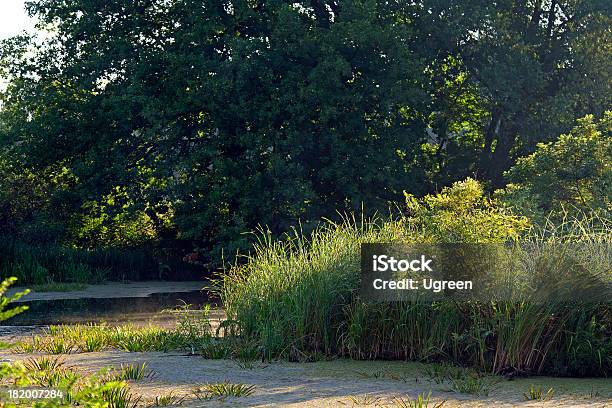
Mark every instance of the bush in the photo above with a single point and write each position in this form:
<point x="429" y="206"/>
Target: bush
<point x="461" y="213"/>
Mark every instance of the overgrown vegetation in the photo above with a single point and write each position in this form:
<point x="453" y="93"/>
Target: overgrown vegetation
<point x="118" y="161"/>
<point x="299" y="297"/>
<point x="49" y="264"/>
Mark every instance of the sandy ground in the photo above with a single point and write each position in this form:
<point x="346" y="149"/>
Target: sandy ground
<point x="325" y="384"/>
<point x="115" y="290"/>
<point x="339" y="383"/>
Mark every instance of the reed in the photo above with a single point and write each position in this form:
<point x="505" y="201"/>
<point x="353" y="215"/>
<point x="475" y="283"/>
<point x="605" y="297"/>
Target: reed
<point x="298" y="298"/>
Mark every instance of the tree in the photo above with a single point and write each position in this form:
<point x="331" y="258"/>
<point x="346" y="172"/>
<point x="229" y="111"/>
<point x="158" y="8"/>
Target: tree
<point x="221" y="117"/>
<point x="520" y="70"/>
<point x="571" y="173"/>
<point x="190" y="122"/>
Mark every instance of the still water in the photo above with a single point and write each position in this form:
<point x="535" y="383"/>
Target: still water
<point x="119" y="310"/>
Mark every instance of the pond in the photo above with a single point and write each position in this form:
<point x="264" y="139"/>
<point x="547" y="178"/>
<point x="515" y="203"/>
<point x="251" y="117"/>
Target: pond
<point x="115" y="303"/>
<point x="111" y="310"/>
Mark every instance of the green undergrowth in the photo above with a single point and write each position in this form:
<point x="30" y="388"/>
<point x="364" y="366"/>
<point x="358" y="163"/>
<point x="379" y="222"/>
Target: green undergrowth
<point x="58" y="287"/>
<point x="68" y="386"/>
<point x="193" y="334"/>
<point x="42" y="265"/>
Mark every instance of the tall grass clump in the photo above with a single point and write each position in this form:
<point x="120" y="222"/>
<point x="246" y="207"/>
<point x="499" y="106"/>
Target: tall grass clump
<point x="574" y="257"/>
<point x="290" y="294"/>
<point x="299" y="297"/>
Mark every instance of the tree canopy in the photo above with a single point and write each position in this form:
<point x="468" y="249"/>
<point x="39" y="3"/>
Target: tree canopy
<point x="190" y="122"/>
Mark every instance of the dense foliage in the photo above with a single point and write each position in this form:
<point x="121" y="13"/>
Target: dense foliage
<point x="570" y="175"/>
<point x="182" y="124"/>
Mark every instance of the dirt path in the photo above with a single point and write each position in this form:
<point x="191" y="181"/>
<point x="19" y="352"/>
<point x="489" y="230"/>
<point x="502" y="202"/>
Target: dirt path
<point x="326" y="384"/>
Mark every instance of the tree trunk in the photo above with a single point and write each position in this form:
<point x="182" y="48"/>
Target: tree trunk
<point x="490" y="137"/>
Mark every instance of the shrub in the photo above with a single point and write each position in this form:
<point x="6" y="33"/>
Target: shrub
<point x="461" y="213"/>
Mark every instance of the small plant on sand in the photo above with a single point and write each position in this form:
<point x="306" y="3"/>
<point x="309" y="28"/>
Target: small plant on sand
<point x="383" y="374"/>
<point x="246" y="354"/>
<point x="58" y="346"/>
<point x="167" y="400"/>
<point x="472" y="383"/>
<point x="216" y="348"/>
<point x="93" y="343"/>
<point x="421" y="401"/>
<point x="245" y="364"/>
<point x="62" y="378"/>
<point x="536" y="393"/>
<point x="358" y="400"/>
<point x="593" y="393"/>
<point x="24" y="347"/>
<point x="223" y="390"/>
<point x="117" y="395"/>
<point x="44" y="364"/>
<point x="465" y="381"/>
<point x="134" y="372"/>
<point x="441" y="372"/>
